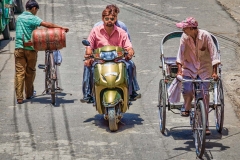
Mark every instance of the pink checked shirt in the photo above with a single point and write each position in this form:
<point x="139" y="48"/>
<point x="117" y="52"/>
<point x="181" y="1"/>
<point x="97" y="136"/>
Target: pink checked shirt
<point x="198" y="59"/>
<point x="98" y="38"/>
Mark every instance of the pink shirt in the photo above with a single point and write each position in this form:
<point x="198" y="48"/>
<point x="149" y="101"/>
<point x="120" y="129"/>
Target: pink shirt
<point x="98" y="38"/>
<point x="198" y="59"/>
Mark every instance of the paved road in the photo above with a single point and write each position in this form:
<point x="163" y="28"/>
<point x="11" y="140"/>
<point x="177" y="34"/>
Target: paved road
<point x="72" y="130"/>
<point x="232" y="8"/>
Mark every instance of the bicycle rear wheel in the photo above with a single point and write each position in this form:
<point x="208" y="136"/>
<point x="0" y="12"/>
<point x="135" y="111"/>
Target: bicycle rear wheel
<point x="219" y="110"/>
<point x="199" y="128"/>
<point x="162" y="105"/>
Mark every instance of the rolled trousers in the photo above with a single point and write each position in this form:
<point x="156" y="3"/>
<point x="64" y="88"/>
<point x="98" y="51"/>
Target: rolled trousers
<point x="188" y="94"/>
<point x="25" y="71"/>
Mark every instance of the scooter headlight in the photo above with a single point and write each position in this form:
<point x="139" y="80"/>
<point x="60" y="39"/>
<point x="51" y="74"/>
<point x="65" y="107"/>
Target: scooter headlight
<point x="109" y="55"/>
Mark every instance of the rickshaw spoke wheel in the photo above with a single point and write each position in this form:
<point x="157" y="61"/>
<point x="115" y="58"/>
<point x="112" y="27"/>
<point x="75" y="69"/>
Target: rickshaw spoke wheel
<point x="162" y="105"/>
<point x="219" y="110"/>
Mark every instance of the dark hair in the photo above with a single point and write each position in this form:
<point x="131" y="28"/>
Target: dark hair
<point x="113" y="7"/>
<point x="107" y="12"/>
<point x="30" y="4"/>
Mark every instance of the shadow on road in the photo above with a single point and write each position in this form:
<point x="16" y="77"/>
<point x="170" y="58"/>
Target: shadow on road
<point x="4" y="43"/>
<point x="212" y="141"/>
<point x="185" y="132"/>
<point x="129" y="120"/>
<point x="46" y="99"/>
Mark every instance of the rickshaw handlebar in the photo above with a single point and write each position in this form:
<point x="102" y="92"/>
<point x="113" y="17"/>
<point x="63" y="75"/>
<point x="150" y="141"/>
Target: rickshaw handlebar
<point x="196" y="80"/>
<point x="180" y="78"/>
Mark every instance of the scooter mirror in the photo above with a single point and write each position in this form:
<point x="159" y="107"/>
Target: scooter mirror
<point x="85" y="42"/>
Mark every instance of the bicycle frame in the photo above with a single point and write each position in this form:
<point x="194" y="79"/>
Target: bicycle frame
<point x="51" y="80"/>
<point x="49" y="61"/>
<point x="197" y="91"/>
<point x="199" y="116"/>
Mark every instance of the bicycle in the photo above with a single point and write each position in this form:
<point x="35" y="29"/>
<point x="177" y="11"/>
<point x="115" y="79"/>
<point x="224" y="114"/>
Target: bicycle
<point x="51" y="79"/>
<point x="198" y="120"/>
<point x="50" y="40"/>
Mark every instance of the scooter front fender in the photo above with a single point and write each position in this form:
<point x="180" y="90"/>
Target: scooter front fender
<point x="111" y="98"/>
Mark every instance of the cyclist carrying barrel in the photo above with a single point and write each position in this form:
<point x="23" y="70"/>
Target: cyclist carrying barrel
<point x="26" y="57"/>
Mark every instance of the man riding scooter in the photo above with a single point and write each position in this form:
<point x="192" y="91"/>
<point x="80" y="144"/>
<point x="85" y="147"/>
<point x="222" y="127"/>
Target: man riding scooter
<point x="109" y="44"/>
<point x="133" y="84"/>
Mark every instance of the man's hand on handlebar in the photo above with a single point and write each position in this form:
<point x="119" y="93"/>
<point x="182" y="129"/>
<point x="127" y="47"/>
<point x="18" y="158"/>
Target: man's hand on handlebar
<point x="86" y="56"/>
<point x="179" y="73"/>
<point x="130" y="54"/>
<point x="215" y="76"/>
<point x="88" y="62"/>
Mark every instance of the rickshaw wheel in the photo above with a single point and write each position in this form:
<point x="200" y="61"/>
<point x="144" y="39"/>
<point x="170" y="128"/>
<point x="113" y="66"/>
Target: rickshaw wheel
<point x="219" y="110"/>
<point x="162" y="105"/>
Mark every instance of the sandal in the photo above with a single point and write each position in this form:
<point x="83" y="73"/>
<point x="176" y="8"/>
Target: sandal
<point x="184" y="113"/>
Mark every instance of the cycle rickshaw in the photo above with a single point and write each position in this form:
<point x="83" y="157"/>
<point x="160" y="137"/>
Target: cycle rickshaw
<point x="197" y="114"/>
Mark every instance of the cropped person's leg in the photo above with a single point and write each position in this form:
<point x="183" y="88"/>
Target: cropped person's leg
<point x="134" y="72"/>
<point x="206" y="97"/>
<point x="134" y="84"/>
<point x="86" y="84"/>
<point x="187" y="92"/>
<point x="31" y="57"/>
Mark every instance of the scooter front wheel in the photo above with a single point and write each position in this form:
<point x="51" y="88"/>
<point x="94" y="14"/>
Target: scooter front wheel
<point x="112" y="119"/>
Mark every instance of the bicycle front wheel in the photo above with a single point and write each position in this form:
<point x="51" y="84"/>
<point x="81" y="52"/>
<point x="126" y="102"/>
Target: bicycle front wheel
<point x="199" y="128"/>
<point x="53" y="94"/>
<point x="53" y="79"/>
<point x="47" y="78"/>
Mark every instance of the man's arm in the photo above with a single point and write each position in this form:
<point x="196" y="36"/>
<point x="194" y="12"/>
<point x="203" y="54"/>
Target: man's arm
<point x="214" y="74"/>
<point x="179" y="69"/>
<point x="127" y="45"/>
<point x="89" y="49"/>
<point x="214" y="56"/>
<point x="52" y="25"/>
<point x="88" y="52"/>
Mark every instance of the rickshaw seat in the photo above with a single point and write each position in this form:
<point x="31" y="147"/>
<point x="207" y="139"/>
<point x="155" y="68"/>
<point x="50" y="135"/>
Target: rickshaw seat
<point x="171" y="66"/>
<point x="170" y="60"/>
